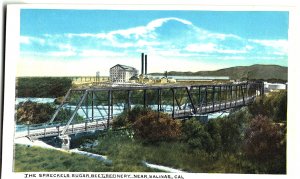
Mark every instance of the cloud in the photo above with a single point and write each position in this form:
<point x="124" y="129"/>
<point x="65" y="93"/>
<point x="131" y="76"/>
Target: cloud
<point x="233" y="58"/>
<point x="222" y="36"/>
<point x="159" y="22"/>
<point x="215" y="48"/>
<point x="168" y="53"/>
<point x="99" y="53"/>
<point x="166" y="40"/>
<point x="68" y="53"/>
<point x="135" y="32"/>
<point x="208" y="48"/>
<point x="24" y="40"/>
<point x="131" y="37"/>
<point x="65" y="47"/>
<point x="276" y="47"/>
<point x="30" y="40"/>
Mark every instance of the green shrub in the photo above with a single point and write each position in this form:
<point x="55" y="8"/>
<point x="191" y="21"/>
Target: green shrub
<point x="127" y="118"/>
<point x="34" y="112"/>
<point x="37" y="113"/>
<point x="121" y="121"/>
<point x="195" y="134"/>
<point x="232" y="129"/>
<point x="213" y="127"/>
<point x="151" y="128"/>
<point x="273" y="105"/>
<point x="148" y="125"/>
<point x="135" y="113"/>
<point x="279" y="104"/>
<point x="265" y="144"/>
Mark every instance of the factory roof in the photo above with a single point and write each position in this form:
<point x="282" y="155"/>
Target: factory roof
<point x="183" y="78"/>
<point x="134" y="78"/>
<point x="125" y="67"/>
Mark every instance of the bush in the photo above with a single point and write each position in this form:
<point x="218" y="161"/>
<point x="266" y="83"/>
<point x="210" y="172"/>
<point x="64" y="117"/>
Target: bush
<point x="196" y="136"/>
<point x="138" y="111"/>
<point x="232" y="129"/>
<point x="273" y="105"/>
<point x="150" y="128"/>
<point x="213" y="127"/>
<point x="37" y="113"/>
<point x="121" y="121"/>
<point x="265" y="144"/>
<point x="279" y="104"/>
<point x="147" y="126"/>
<point x="127" y="118"/>
<point x="221" y="134"/>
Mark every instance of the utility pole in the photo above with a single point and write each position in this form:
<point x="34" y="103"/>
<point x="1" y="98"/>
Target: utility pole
<point x="98" y="77"/>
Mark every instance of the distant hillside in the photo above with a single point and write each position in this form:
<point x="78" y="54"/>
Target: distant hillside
<point x="265" y="72"/>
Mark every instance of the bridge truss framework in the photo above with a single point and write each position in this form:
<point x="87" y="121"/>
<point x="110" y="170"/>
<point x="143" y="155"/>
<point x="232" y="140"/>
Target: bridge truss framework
<point x="98" y="104"/>
<point x="94" y="108"/>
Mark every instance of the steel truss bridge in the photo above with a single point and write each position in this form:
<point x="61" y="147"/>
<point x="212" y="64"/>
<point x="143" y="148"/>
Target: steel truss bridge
<point x="93" y="109"/>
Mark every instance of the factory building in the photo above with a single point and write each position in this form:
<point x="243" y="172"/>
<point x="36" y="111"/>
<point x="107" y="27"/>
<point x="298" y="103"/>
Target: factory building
<point x="189" y="78"/>
<point x="80" y="80"/>
<point x="274" y="86"/>
<point x="122" y="73"/>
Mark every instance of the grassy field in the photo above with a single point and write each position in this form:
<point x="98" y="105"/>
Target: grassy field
<point x="35" y="159"/>
<point x="123" y="150"/>
<point x="127" y="156"/>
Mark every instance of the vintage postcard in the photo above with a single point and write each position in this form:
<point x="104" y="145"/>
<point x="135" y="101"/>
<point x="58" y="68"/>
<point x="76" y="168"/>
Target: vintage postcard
<point x="157" y="91"/>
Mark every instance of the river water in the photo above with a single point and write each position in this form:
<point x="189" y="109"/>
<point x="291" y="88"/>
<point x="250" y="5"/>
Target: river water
<point x="100" y="111"/>
<point x="37" y="100"/>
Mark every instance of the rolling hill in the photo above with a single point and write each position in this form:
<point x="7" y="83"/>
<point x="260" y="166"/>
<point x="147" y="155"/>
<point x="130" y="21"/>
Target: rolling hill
<point x="265" y="72"/>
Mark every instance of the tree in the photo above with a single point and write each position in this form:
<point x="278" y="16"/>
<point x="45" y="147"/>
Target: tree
<point x="149" y="125"/>
<point x="196" y="136"/>
<point x="265" y="144"/>
<point x="232" y="130"/>
<point x="151" y="128"/>
<point x="213" y="128"/>
<point x="128" y="117"/>
<point x="273" y="105"/>
<point x="279" y="104"/>
<point x="37" y="113"/>
<point x="166" y="74"/>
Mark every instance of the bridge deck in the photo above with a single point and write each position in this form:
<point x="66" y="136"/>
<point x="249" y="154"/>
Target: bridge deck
<point x="56" y="131"/>
<point x="215" y="107"/>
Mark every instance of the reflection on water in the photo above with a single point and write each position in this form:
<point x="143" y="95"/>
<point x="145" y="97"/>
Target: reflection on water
<point x="101" y="111"/>
<point x="37" y="100"/>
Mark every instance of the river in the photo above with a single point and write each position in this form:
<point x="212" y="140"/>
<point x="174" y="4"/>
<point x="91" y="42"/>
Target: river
<point x="101" y="111"/>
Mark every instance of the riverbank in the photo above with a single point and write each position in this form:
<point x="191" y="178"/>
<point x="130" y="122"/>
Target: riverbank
<point x="24" y="147"/>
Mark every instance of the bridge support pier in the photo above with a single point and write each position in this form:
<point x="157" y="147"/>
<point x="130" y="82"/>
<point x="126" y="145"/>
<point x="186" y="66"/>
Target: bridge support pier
<point x="65" y="139"/>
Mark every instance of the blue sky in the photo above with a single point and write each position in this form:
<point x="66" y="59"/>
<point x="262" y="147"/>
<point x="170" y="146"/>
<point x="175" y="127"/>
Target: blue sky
<point x="81" y="42"/>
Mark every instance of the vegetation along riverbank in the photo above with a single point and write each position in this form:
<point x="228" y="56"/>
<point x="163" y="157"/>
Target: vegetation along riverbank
<point x="249" y="140"/>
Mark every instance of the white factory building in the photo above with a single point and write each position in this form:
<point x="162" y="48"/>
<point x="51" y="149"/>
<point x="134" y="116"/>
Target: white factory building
<point x="122" y="73"/>
<point x="274" y="86"/>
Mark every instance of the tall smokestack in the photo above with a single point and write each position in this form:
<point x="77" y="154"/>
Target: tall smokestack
<point x="145" y="64"/>
<point x="142" y="63"/>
